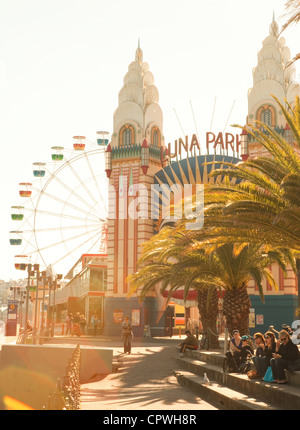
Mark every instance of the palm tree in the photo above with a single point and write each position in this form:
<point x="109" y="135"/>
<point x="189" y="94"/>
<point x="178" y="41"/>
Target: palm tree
<point x="208" y="305"/>
<point x="179" y="258"/>
<point x="160" y="254"/>
<point x="231" y="268"/>
<point x="264" y="207"/>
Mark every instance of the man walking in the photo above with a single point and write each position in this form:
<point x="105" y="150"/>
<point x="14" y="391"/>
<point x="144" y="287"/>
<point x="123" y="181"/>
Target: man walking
<point x="127" y="335"/>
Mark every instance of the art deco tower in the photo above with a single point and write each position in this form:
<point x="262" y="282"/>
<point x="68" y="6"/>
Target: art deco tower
<point x="271" y="76"/>
<point x="133" y="157"/>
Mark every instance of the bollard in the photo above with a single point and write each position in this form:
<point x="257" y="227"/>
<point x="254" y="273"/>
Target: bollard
<point x="225" y="340"/>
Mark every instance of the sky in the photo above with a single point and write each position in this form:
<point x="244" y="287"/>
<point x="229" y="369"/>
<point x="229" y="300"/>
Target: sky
<point x="62" y="64"/>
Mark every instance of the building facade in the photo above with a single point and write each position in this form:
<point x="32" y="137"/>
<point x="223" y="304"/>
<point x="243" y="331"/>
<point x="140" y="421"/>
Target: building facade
<point x="138" y="158"/>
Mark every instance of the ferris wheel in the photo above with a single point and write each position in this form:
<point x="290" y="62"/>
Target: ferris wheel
<point x="62" y="212"/>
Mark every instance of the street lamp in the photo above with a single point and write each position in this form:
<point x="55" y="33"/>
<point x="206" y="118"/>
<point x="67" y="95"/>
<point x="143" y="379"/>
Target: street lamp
<point x="298" y="280"/>
<point x="44" y="278"/>
<point x="29" y="273"/>
<point x="57" y="278"/>
<point x="36" y="271"/>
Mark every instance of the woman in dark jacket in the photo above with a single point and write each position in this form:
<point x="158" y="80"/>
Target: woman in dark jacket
<point x="286" y="352"/>
<point x="264" y="352"/>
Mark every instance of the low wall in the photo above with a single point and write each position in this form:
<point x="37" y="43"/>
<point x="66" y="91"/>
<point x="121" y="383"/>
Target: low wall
<point x="29" y="373"/>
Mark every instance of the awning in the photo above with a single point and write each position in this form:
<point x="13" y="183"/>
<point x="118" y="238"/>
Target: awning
<point x="191" y="300"/>
<point x="177" y="297"/>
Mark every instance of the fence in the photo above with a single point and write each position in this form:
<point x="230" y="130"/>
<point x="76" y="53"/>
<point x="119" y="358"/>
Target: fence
<point x="67" y="393"/>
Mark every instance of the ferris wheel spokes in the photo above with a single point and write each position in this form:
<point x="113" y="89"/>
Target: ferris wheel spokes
<point x="63" y="202"/>
<point x="78" y="247"/>
<point x="96" y="183"/>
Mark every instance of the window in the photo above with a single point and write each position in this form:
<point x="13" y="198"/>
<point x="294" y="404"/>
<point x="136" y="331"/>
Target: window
<point x="126" y="137"/>
<point x="155" y="137"/>
<point x="98" y="280"/>
<point x="266" y="117"/>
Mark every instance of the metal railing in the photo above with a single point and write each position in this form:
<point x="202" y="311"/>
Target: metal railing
<point x="67" y="393"/>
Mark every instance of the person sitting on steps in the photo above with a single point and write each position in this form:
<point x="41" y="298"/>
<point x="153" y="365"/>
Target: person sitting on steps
<point x="265" y="348"/>
<point x="190" y="342"/>
<point x="246" y="353"/>
<point x="234" y="353"/>
<point x="286" y="353"/>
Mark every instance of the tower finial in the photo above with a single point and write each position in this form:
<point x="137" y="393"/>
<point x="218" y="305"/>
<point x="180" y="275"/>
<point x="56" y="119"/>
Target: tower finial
<point x="139" y="53"/>
<point x="274" y="30"/>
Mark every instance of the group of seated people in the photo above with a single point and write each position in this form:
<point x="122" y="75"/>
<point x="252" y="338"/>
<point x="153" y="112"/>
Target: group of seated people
<point x="279" y="354"/>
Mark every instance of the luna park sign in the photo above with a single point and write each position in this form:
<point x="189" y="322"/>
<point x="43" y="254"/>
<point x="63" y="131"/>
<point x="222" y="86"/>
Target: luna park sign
<point x="220" y="141"/>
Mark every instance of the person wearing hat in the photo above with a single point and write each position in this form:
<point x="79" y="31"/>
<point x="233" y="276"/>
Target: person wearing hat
<point x="246" y="352"/>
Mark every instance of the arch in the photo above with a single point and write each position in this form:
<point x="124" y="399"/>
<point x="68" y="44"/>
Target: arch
<point x="127" y="135"/>
<point x="267" y="115"/>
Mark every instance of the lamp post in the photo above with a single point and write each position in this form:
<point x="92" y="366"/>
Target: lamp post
<point x="43" y="303"/>
<point x="27" y="297"/>
<point x="48" y="308"/>
<point x="57" y="278"/>
<point x="298" y="279"/>
<point x="36" y="268"/>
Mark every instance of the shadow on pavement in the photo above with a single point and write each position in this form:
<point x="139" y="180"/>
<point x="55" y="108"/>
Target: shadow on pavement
<point x="144" y="380"/>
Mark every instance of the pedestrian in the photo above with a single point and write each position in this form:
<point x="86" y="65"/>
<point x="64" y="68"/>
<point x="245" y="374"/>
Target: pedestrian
<point x="69" y="323"/>
<point x="286" y="353"/>
<point x="190" y="342"/>
<point x="82" y="324"/>
<point x="29" y="326"/>
<point x="127" y="335"/>
<point x="95" y="322"/>
<point x="76" y="327"/>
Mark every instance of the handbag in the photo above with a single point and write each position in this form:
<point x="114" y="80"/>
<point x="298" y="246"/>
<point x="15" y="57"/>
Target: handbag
<point x="269" y="375"/>
<point x="253" y="374"/>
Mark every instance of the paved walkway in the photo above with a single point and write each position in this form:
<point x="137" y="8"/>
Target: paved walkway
<point x="144" y="381"/>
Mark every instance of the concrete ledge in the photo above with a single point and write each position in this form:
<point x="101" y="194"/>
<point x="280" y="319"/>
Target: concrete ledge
<point x="29" y="373"/>
<point x="293" y="378"/>
<point x="95" y="361"/>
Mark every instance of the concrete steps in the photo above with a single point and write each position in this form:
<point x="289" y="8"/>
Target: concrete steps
<point x="221" y="396"/>
<point x="247" y="393"/>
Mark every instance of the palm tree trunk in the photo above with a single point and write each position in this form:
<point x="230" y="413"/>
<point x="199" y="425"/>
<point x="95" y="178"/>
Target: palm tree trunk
<point x="236" y="309"/>
<point x="209" y="316"/>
